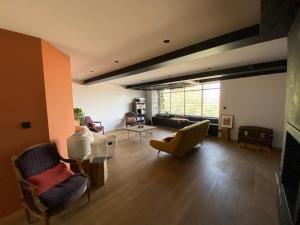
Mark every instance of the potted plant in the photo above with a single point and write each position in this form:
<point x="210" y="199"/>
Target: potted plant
<point x="78" y="115"/>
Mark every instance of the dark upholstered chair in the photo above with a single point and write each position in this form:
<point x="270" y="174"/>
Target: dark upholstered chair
<point x="36" y="160"/>
<point x="131" y="119"/>
<point x="89" y="123"/>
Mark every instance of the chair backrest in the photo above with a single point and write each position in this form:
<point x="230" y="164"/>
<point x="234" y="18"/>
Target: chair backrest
<point x="189" y="136"/>
<point x="37" y="159"/>
<point x="131" y="114"/>
<point x="88" y="120"/>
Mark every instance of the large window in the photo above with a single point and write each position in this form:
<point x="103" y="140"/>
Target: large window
<point x="200" y="100"/>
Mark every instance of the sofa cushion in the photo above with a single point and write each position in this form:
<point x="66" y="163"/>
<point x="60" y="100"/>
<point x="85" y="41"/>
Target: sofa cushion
<point x="58" y="197"/>
<point x="50" y="178"/>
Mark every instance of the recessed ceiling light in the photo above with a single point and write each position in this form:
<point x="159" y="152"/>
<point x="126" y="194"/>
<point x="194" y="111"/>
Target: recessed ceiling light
<point x="116" y="61"/>
<point x="166" y="41"/>
<point x="92" y="71"/>
<point x="209" y="68"/>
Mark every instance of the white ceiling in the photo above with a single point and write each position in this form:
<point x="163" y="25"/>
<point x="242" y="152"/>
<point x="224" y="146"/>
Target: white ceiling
<point x="95" y="33"/>
<point x="258" y="53"/>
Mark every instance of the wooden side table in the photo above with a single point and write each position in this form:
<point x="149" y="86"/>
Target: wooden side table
<point x="96" y="169"/>
<point x="260" y="136"/>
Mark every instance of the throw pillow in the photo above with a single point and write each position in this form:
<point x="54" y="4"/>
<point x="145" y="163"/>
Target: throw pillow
<point x="50" y="178"/>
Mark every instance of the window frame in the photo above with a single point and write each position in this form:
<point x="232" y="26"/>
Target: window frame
<point x="202" y="89"/>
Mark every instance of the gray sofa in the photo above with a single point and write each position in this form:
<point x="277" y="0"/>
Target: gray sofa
<point x="170" y="120"/>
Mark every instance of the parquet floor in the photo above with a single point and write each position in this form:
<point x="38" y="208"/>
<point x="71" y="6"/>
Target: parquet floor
<point x="218" y="183"/>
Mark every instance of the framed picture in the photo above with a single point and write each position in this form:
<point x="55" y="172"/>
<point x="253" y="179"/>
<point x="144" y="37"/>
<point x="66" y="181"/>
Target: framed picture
<point x="227" y="121"/>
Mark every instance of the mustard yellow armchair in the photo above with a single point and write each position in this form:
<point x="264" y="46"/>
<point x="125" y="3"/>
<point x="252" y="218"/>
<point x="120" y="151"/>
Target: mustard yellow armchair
<point x="184" y="140"/>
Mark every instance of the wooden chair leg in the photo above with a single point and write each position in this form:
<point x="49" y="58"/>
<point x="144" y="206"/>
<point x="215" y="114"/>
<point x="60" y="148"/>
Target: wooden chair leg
<point x="89" y="190"/>
<point x="46" y="220"/>
<point x="89" y="194"/>
<point x="27" y="213"/>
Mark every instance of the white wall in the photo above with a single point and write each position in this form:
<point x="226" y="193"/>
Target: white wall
<point x="256" y="101"/>
<point x="105" y="102"/>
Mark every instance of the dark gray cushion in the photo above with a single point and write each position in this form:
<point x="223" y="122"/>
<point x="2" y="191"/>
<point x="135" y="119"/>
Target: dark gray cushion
<point x="58" y="197"/>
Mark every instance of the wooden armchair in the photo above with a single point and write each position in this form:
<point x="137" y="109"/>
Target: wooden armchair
<point x="95" y="126"/>
<point x="131" y="119"/>
<point x="37" y="160"/>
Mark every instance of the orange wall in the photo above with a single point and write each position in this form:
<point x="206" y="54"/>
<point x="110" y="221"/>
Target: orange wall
<point x="22" y="98"/>
<point x="35" y="86"/>
<point x="58" y="87"/>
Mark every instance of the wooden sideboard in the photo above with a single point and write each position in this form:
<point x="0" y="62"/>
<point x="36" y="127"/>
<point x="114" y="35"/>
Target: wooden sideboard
<point x="256" y="135"/>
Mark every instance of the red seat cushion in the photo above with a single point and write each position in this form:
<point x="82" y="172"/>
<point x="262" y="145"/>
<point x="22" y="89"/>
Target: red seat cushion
<point x="50" y="178"/>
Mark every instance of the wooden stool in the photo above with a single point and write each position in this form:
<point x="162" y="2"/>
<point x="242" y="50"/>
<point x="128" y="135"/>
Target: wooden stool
<point x="98" y="171"/>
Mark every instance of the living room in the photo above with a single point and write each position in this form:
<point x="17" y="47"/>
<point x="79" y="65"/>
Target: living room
<point x="143" y="113"/>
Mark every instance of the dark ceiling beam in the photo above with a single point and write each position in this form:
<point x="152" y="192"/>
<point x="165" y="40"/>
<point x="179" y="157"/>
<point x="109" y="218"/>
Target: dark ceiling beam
<point x="277" y="17"/>
<point x="226" y="42"/>
<point x="223" y="74"/>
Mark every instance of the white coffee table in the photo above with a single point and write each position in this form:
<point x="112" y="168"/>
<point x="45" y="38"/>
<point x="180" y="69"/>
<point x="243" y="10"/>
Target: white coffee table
<point x="140" y="130"/>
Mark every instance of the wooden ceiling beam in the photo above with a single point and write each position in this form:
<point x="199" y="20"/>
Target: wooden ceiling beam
<point x="223" y="43"/>
<point x="223" y="74"/>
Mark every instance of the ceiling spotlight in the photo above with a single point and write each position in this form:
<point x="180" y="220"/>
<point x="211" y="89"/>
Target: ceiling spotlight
<point x="92" y="71"/>
<point x="116" y="61"/>
<point x="166" y="41"/>
<point x="209" y="68"/>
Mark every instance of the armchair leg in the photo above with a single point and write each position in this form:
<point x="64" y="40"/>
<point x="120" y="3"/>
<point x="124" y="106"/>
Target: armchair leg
<point x="46" y="220"/>
<point x="27" y="213"/>
<point x="158" y="153"/>
<point x="89" y="195"/>
<point x="89" y="192"/>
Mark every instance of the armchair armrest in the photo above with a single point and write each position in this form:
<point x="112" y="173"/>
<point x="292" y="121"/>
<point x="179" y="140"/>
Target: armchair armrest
<point x="30" y="196"/>
<point x="97" y="122"/>
<point x="27" y="186"/>
<point x="161" y="145"/>
<point x="79" y="164"/>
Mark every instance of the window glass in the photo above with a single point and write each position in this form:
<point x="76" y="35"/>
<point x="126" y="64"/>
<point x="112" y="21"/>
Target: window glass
<point x="164" y="102"/>
<point x="177" y="103"/>
<point x="193" y="103"/>
<point x="211" y="102"/>
<point x="199" y="100"/>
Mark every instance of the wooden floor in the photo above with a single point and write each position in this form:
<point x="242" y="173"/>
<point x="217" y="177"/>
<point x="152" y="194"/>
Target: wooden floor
<point x="219" y="183"/>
